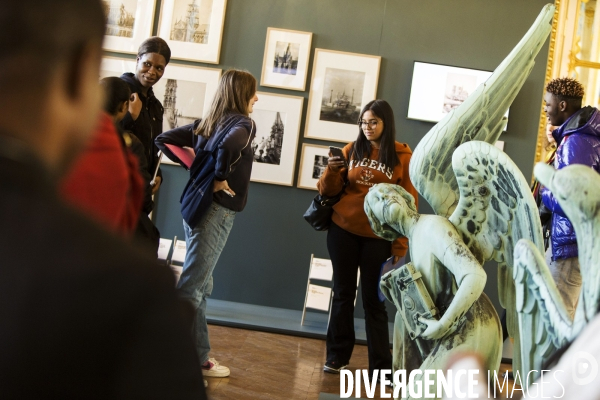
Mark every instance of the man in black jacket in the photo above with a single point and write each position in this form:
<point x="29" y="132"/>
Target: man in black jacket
<point x="82" y="315"/>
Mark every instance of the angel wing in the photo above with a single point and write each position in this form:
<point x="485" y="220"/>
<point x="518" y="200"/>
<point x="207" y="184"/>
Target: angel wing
<point x="495" y="210"/>
<point x="544" y="323"/>
<point x="480" y="117"/>
<point x="496" y="207"/>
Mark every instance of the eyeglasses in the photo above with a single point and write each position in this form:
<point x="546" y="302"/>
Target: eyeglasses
<point x="372" y="123"/>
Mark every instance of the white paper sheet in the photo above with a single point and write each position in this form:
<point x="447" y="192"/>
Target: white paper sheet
<point x="321" y="269"/>
<point x="319" y="297"/>
<point x="164" y="247"/>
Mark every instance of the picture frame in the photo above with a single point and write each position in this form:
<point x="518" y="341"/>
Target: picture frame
<point x="285" y="61"/>
<point x="275" y="145"/>
<point x="436" y="89"/>
<point x="128" y="24"/>
<point x="313" y="162"/>
<point x="185" y="92"/>
<point x="203" y="43"/>
<point x="341" y="84"/>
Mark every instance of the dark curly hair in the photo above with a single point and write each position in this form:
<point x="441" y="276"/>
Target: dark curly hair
<point x="566" y="87"/>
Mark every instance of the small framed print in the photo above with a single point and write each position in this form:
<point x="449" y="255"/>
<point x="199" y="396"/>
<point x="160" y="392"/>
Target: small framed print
<point x="277" y="119"/>
<point x="285" y="63"/>
<point x="312" y="165"/>
<point x="342" y="83"/>
<point x="128" y="24"/>
<point x="193" y="28"/>
<point x="185" y="92"/>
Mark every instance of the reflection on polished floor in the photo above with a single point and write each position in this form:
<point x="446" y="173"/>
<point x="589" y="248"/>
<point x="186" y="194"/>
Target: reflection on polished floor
<point x="272" y="366"/>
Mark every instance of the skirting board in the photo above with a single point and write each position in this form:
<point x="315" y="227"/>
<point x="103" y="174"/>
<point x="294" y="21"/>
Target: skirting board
<point x="276" y="320"/>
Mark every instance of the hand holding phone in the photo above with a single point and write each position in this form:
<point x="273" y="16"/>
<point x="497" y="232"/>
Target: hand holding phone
<point x="336" y="161"/>
<point x="337" y="152"/>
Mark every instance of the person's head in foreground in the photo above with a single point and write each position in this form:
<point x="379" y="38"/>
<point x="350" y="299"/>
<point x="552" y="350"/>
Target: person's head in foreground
<point x="49" y="71"/>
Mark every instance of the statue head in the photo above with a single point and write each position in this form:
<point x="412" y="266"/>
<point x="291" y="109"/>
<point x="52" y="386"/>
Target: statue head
<point x="390" y="208"/>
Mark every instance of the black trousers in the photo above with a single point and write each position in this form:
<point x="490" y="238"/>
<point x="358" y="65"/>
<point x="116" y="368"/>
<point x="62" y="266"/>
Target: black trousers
<point x="349" y="251"/>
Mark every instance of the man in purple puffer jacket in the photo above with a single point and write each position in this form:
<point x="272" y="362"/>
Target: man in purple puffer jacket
<point x="578" y="140"/>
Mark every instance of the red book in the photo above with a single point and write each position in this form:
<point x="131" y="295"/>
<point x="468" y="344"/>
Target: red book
<point x="185" y="154"/>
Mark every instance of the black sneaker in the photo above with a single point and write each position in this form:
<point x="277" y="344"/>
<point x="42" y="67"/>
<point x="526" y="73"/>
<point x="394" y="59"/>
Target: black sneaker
<point x="334" y="367"/>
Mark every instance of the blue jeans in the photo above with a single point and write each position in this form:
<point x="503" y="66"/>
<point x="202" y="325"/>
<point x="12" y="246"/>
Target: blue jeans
<point x="204" y="246"/>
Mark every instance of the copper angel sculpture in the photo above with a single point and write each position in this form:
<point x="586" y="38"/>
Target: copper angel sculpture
<point x="544" y="322"/>
<point x="483" y="206"/>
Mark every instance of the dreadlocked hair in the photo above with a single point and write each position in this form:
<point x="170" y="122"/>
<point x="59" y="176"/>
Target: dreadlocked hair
<point x="565" y="88"/>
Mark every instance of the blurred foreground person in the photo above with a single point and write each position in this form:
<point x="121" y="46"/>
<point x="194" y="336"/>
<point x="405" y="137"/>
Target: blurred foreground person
<point x="82" y="315"/>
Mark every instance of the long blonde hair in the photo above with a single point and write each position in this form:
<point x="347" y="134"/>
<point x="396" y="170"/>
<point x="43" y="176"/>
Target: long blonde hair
<point x="236" y="89"/>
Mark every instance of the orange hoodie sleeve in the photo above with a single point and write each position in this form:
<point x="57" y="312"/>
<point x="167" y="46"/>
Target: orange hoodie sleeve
<point x="331" y="183"/>
<point x="400" y="245"/>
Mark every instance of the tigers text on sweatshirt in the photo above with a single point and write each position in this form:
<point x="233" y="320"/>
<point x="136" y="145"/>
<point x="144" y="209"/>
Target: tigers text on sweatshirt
<point x="349" y="212"/>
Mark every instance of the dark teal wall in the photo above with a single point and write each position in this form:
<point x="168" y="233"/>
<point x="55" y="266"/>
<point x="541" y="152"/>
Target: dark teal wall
<point x="266" y="258"/>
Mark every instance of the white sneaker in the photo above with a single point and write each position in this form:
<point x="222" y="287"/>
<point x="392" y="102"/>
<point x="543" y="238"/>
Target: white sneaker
<point x="213" y="369"/>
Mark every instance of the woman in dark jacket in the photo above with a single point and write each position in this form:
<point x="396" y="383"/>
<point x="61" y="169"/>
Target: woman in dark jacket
<point x="145" y="116"/>
<point x="228" y="129"/>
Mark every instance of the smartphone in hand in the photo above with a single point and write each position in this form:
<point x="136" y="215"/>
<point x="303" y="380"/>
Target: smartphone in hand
<point x="337" y="152"/>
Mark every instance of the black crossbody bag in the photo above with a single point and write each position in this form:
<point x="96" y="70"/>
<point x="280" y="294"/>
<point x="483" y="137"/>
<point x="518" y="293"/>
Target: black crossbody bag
<point x="320" y="210"/>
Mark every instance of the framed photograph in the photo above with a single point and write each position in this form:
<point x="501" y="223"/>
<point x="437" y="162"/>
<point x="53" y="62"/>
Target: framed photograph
<point x="438" y="89"/>
<point x="285" y="63"/>
<point x="342" y="83"/>
<point x="185" y="92"/>
<point x="193" y="28"/>
<point x="312" y="165"/>
<point x="128" y="24"/>
<point x="277" y="119"/>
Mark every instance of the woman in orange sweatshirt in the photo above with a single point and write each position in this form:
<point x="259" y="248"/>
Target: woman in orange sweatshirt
<point x="375" y="157"/>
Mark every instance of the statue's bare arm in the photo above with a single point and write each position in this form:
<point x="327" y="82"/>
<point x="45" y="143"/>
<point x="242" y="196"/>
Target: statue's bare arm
<point x="470" y="279"/>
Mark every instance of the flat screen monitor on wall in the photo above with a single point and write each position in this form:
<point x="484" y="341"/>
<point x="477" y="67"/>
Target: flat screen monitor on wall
<point x="438" y="89"/>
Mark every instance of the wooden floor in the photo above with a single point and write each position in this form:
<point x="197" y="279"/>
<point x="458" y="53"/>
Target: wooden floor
<point x="270" y="366"/>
